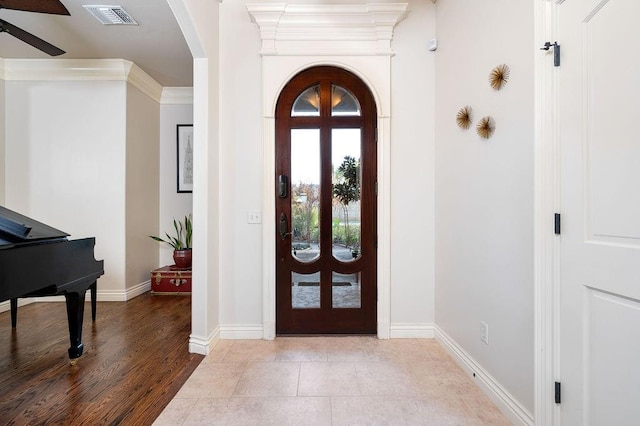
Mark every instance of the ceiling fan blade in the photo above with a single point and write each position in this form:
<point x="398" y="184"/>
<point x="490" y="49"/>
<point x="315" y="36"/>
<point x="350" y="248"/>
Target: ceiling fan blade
<point x="54" y="7"/>
<point x="29" y="38"/>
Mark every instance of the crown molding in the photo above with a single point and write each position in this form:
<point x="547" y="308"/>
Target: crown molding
<point x="177" y="96"/>
<point x="291" y="29"/>
<point x="143" y="81"/>
<point x="67" y="69"/>
<point x="81" y="70"/>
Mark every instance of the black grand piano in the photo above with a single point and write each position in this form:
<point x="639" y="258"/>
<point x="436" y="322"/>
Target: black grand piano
<point x="38" y="260"/>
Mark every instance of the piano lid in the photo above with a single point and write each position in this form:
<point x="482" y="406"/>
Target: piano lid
<point x="15" y="228"/>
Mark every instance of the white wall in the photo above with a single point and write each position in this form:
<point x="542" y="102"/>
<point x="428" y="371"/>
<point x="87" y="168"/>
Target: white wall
<point x="83" y="157"/>
<point x="65" y="162"/>
<point x="241" y="169"/>
<point x="412" y="169"/>
<point x="172" y="204"/>
<point x="142" y="185"/>
<point x="199" y="22"/>
<point x="484" y="188"/>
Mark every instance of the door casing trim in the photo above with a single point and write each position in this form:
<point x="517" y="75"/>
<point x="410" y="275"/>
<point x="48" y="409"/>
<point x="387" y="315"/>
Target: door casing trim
<point x="546" y="202"/>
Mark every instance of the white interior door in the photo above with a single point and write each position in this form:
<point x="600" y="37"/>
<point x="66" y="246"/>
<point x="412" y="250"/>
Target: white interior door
<point x="599" y="83"/>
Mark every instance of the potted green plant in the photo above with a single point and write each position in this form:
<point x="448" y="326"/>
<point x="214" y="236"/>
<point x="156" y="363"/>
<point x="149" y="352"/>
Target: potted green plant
<point x="181" y="242"/>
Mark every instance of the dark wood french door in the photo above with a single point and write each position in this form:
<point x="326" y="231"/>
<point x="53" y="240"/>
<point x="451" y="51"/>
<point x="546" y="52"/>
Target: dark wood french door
<point x="326" y="204"/>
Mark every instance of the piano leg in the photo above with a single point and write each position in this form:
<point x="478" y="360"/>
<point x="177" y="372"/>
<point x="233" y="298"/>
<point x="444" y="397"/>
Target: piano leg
<point x="75" y="314"/>
<point x="94" y="296"/>
<point x="14" y="312"/>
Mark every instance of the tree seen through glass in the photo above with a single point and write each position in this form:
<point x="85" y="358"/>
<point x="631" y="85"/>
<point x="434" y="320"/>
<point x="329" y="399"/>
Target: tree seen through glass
<point x="346" y="190"/>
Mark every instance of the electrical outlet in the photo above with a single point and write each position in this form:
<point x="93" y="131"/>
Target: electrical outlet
<point x="254" y="216"/>
<point x="484" y="332"/>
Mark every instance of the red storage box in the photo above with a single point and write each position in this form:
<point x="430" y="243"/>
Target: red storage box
<point x="171" y="280"/>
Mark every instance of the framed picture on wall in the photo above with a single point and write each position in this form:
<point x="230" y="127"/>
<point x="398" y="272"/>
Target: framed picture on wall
<point x="185" y="158"/>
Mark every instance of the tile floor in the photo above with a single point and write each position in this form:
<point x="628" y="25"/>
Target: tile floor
<point x="351" y="380"/>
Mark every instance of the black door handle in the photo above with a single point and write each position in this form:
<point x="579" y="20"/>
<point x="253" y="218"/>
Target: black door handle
<point x="283" y="185"/>
<point x="283" y="226"/>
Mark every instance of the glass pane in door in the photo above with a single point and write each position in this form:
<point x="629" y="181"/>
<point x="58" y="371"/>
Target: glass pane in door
<point x="346" y="178"/>
<point x="345" y="290"/>
<point x="343" y="102"/>
<point x="308" y="103"/>
<point x="305" y="290"/>
<point x="305" y="194"/>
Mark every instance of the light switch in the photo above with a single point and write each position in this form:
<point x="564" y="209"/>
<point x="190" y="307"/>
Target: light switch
<point x="254" y="216"/>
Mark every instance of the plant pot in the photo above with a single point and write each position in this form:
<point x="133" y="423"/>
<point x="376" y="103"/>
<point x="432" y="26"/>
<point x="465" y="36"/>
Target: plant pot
<point x="182" y="258"/>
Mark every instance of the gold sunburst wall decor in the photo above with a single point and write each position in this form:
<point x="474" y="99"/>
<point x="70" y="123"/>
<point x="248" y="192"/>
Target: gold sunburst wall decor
<point x="463" y="117"/>
<point x="499" y="76"/>
<point x="485" y="128"/>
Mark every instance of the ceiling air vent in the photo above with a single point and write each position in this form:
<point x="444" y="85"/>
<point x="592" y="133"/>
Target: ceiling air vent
<point x="110" y="15"/>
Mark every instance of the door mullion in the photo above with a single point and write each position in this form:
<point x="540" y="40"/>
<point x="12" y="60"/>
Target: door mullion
<point x="326" y="198"/>
<point x="326" y="219"/>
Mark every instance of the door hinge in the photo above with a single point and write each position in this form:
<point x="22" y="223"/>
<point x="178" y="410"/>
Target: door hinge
<point x="556" y="51"/>
<point x="558" y="395"/>
<point x="376" y="135"/>
<point x="376" y="187"/>
<point x="556" y="224"/>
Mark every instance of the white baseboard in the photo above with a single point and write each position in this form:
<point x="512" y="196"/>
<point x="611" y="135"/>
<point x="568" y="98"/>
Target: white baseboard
<point x="198" y="345"/>
<point x="269" y="330"/>
<point x="412" y="331"/>
<point x="124" y="295"/>
<point x="509" y="406"/>
<point x="244" y="331"/>
<point x="5" y="306"/>
<point x="102" y="296"/>
<point x="383" y="330"/>
<point x="397" y="331"/>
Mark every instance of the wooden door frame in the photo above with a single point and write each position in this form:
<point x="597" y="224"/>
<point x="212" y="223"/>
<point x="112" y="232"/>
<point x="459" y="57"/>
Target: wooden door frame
<point x="327" y="318"/>
<point x="277" y="72"/>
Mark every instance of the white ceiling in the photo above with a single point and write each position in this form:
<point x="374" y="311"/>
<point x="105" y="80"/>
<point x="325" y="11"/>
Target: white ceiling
<point x="156" y="45"/>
